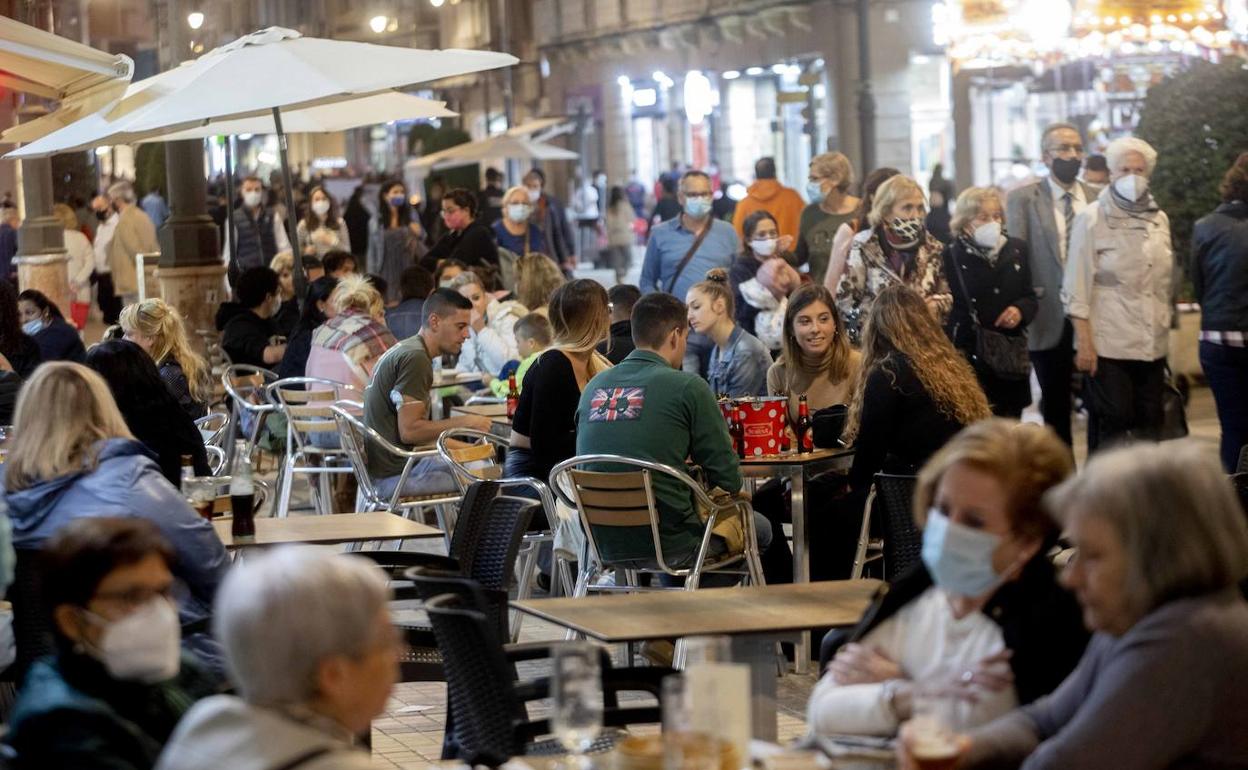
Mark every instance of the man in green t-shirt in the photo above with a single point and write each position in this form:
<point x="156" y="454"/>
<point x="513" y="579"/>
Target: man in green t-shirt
<point x="647" y="408"/>
<point x="396" y="401"/>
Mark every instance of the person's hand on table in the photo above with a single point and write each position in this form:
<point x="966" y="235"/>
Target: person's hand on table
<point x="860" y="664"/>
<point x="477" y="422"/>
<point x="906" y="739"/>
<point x="487" y="378"/>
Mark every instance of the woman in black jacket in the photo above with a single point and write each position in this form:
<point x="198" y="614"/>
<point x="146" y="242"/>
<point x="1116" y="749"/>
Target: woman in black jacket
<point x="18" y="347"/>
<point x="466" y="239"/>
<point x="1219" y="271"/>
<point x="983" y="617"/>
<point x="151" y="411"/>
<point x="989" y="276"/>
<point x="57" y="339"/>
<point x="299" y="346"/>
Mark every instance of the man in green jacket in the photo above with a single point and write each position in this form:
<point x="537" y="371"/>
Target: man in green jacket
<point x="647" y="408"/>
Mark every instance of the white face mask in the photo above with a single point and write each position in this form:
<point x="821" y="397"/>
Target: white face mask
<point x="320" y="207"/>
<point x="988" y="235"/>
<point x="144" y="646"/>
<point x="535" y="194"/>
<point x="1132" y="186"/>
<point x="518" y="212"/>
<point x="251" y="198"/>
<point x="764" y="247"/>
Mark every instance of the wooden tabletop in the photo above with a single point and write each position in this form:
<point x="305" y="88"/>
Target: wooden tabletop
<point x="446" y="379"/>
<point x="788" y="607"/>
<point x="493" y="411"/>
<point x="797" y="458"/>
<point x="328" y="529"/>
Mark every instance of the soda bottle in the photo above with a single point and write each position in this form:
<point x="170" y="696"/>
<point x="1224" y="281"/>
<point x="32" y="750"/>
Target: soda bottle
<point x="737" y="428"/>
<point x="513" y="395"/>
<point x="242" y="494"/>
<point x="804" y="427"/>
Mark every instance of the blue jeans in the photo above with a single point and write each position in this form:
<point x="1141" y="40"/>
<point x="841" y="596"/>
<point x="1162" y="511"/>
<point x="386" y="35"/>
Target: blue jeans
<point x="1226" y="369"/>
<point x="431" y="476"/>
<point x="719" y="547"/>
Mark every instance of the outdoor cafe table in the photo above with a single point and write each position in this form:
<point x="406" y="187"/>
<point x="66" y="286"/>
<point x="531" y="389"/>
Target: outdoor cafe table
<point x="798" y="467"/>
<point x="756" y="617"/>
<point x="500" y="424"/>
<point x="330" y="529"/>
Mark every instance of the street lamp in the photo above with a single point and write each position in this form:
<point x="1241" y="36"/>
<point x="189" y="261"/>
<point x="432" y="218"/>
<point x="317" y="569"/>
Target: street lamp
<point x="195" y="19"/>
<point x="436" y="3"/>
<point x="378" y="24"/>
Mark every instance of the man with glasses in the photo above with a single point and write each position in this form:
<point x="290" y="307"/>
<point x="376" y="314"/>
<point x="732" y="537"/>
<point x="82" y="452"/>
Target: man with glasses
<point x="681" y="250"/>
<point x="1042" y="213"/>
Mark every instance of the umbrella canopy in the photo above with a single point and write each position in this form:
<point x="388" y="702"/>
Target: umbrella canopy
<point x="273" y="68"/>
<point x="501" y="146"/>
<point x="36" y="62"/>
<point x="541" y="129"/>
<point x="364" y="111"/>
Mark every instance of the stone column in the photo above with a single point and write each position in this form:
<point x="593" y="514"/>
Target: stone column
<point x="41" y="260"/>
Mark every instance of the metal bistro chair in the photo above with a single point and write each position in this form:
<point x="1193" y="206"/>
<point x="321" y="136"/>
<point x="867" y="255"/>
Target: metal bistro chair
<point x="216" y="459"/>
<point x="626" y="499"/>
<point x="212" y="427"/>
<point x="305" y="402"/>
<point x="249" y="407"/>
<point x="479" y="461"/>
<point x="356" y="439"/>
<point x="902" y="541"/>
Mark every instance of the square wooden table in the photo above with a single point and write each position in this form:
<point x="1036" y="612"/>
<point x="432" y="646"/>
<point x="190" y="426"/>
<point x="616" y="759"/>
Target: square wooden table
<point x="500" y="423"/>
<point x="330" y="529"/>
<point x="756" y="617"/>
<point x="798" y="467"/>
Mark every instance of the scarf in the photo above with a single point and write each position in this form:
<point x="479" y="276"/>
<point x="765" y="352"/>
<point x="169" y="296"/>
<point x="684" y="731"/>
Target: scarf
<point x="988" y="255"/>
<point x="1145" y="209"/>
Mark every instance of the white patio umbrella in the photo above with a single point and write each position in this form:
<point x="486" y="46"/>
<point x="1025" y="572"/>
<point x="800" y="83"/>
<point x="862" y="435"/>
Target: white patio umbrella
<point x="271" y="71"/>
<point x="500" y="146"/>
<point x="543" y="129"/>
<point x="36" y="62"/>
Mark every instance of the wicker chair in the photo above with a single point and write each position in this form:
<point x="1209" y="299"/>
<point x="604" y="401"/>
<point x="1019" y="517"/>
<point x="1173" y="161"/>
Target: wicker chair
<point x="892" y="496"/>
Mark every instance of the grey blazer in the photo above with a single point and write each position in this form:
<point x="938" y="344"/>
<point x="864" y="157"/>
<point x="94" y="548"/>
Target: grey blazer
<point x="1029" y="215"/>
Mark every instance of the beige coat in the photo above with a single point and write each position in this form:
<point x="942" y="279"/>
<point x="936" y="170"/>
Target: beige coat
<point x="135" y="234"/>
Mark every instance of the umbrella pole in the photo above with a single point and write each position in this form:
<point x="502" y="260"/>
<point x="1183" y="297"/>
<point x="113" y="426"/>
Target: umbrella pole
<point x="301" y="279"/>
<point x="230" y="235"/>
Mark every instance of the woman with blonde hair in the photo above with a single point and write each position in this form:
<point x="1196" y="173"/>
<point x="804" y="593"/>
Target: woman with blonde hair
<point x="543" y="432"/>
<point x="896" y="249"/>
<point x="81" y="265"/>
<point x="831" y="205"/>
<point x="491" y="342"/>
<point x="157" y="327"/>
<point x="347" y="346"/>
<point x="1162" y="546"/>
<point x="983" y="610"/>
<point x="287" y="315"/>
<point x="72" y="456"/>
<point x="513" y="230"/>
<point x="537" y="278"/>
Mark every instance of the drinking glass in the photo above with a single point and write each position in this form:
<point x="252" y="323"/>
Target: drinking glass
<point x="201" y="493"/>
<point x="684" y="746"/>
<point x="576" y="689"/>
<point x="934" y="741"/>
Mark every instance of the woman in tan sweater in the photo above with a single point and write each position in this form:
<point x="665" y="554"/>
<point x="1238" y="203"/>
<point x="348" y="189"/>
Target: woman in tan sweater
<point x="817" y="359"/>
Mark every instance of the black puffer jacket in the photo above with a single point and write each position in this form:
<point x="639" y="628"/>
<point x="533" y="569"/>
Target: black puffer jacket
<point x="1219" y="268"/>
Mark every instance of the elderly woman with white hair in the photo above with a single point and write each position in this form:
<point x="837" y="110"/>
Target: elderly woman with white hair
<point x="1118" y="292"/>
<point x="1161" y="544"/>
<point x="897" y="248"/>
<point x="993" y="299"/>
<point x="310" y="647"/>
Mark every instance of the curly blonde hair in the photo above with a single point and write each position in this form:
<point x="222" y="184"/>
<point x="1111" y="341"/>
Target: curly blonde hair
<point x="901" y="323"/>
<point x="163" y="325"/>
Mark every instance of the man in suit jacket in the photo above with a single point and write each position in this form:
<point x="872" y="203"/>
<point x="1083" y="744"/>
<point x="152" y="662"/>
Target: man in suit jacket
<point x="135" y="234"/>
<point x="1042" y="213"/>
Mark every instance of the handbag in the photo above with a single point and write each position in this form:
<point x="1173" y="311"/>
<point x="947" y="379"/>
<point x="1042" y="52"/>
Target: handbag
<point x="1005" y="355"/>
<point x="1174" y="413"/>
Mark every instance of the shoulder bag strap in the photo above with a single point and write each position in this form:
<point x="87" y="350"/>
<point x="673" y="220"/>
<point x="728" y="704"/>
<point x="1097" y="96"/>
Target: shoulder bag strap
<point x="684" y="262"/>
<point x="970" y="304"/>
<point x="304" y="758"/>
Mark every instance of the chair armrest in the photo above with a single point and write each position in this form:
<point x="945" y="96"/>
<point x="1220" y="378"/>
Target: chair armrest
<point x="397" y="562"/>
<point x="636" y="679"/>
<point x="528" y="651"/>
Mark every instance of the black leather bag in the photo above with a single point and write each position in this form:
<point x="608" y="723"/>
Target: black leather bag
<point x="1174" y="411"/>
<point x="1005" y="355"/>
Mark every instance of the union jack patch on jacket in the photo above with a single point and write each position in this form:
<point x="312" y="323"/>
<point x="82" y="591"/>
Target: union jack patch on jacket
<point x="611" y="404"/>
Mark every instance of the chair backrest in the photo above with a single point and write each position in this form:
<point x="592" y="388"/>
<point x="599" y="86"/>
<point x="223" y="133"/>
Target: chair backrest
<point x="1242" y="465"/>
<point x="480" y="462"/>
<point x="212" y="427"/>
<point x="430" y="582"/>
<point x="355" y="438"/>
<point x="903" y="542"/>
<point x="479" y="680"/>
<point x="216" y="459"/>
<point x="306" y="401"/>
<point x="244" y="386"/>
<point x="618" y="498"/>
<point x="488" y="532"/>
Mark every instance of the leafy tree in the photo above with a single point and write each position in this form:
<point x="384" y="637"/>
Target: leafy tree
<point x="149" y="168"/>
<point x="1197" y="122"/>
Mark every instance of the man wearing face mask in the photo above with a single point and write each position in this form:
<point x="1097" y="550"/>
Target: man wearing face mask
<point x="250" y="336"/>
<point x="683" y="249"/>
<point x="490" y="198"/>
<point x="260" y="233"/>
<point x="106" y="225"/>
<point x="1042" y="214"/>
<point x="1118" y="289"/>
<point x="134" y="234"/>
<point x="119" y="682"/>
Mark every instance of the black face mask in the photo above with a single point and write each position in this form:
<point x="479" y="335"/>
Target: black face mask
<point x="101" y="215"/>
<point x="1066" y="169"/>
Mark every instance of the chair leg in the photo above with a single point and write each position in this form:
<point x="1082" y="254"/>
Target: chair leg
<point x="325" y="500"/>
<point x="864" y="535"/>
<point x="566" y="583"/>
<point x="524" y="590"/>
<point x="284" y="483"/>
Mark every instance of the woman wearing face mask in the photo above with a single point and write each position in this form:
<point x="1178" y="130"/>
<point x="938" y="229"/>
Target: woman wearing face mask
<point x="831" y="206"/>
<point x="466" y="239"/>
<point x="57" y="339"/>
<point x="491" y="339"/>
<point x="287" y="314"/>
<point x="739" y="362"/>
<point x="897" y="249"/>
<point x="321" y="230"/>
<point x="1118" y="291"/>
<point x="17" y="347"/>
<point x="983" y="611"/>
<point x="844" y="237"/>
<point x="762" y="242"/>
<point x="992" y="288"/>
<point x="395" y="238"/>
<point x="72" y="456"/>
<point x="118" y="683"/>
<point x="514" y="231"/>
<point x="1161" y="682"/>
<point x="316" y="311"/>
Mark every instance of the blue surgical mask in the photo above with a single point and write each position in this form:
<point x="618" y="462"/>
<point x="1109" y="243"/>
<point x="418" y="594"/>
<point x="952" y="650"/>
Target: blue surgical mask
<point x="697" y="207"/>
<point x="814" y="192"/>
<point x="518" y="212"/>
<point x="959" y="558"/>
<point x="33" y="326"/>
<point x="397" y="201"/>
